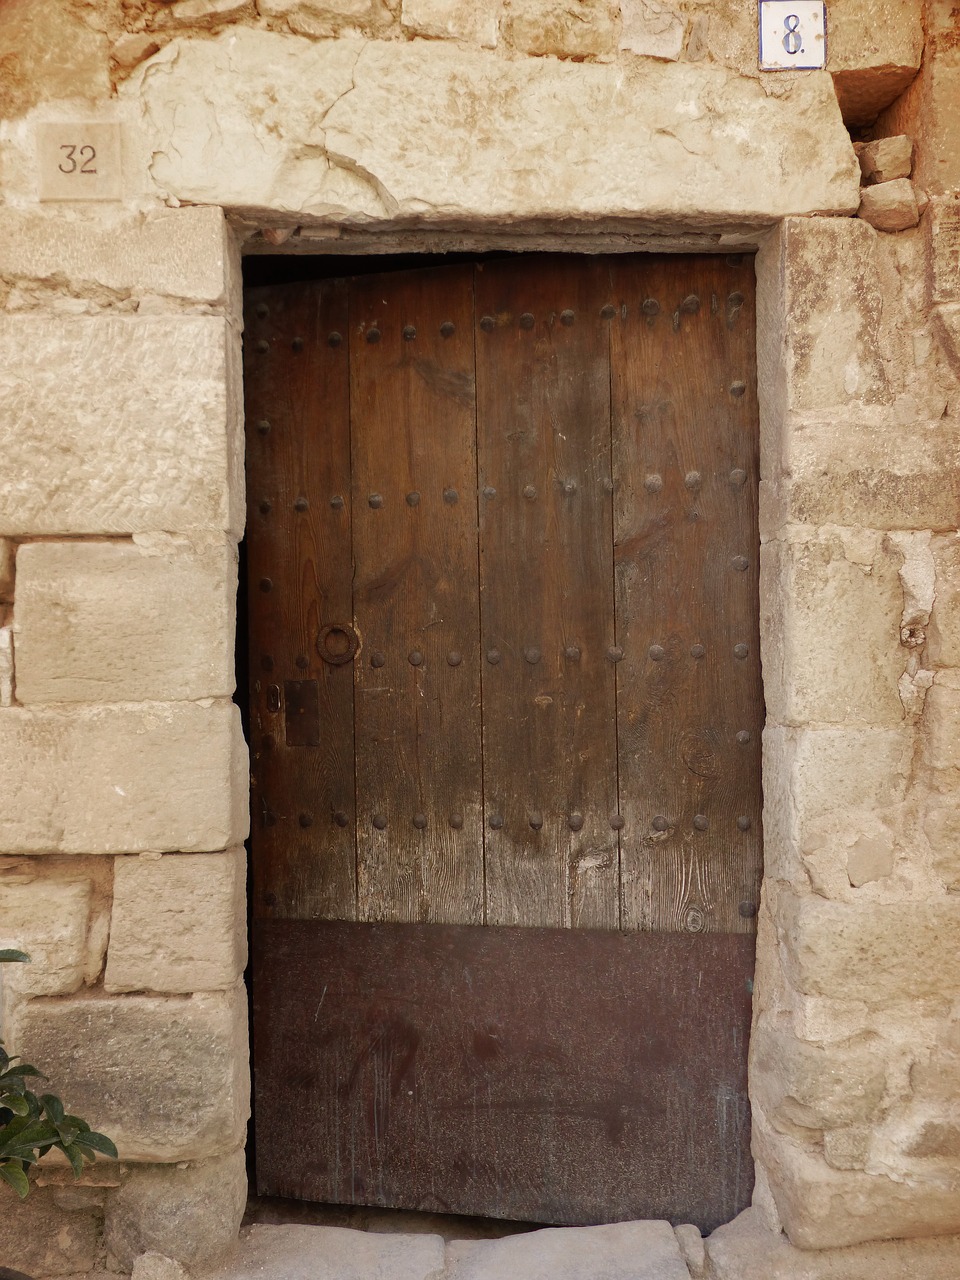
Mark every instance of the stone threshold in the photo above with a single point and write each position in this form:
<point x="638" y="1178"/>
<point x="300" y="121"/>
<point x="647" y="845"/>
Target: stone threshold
<point x="744" y="1249"/>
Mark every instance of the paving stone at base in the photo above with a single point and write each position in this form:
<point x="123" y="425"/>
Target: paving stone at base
<point x="621" y="1251"/>
<point x="332" y="1253"/>
<point x="745" y="1249"/>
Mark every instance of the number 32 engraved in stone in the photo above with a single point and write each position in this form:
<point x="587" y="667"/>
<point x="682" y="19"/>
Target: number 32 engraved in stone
<point x="70" y="162"/>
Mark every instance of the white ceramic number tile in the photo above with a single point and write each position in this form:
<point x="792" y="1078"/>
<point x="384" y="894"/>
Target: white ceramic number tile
<point x="793" y="35"/>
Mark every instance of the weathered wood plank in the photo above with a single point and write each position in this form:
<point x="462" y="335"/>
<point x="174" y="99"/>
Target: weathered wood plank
<point x="690" y="710"/>
<point x="550" y="787"/>
<point x="413" y="415"/>
<point x="299" y="578"/>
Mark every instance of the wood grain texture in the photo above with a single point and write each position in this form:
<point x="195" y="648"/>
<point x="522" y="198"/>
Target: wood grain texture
<point x="689" y="697"/>
<point x="549" y="716"/>
<point x="299" y="544"/>
<point x="413" y="420"/>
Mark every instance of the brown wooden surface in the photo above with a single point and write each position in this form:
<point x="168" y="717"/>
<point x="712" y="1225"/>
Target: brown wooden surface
<point x="686" y="547"/>
<point x="549" y="746"/>
<point x="299" y="544"/>
<point x="565" y="1076"/>
<point x="413" y="428"/>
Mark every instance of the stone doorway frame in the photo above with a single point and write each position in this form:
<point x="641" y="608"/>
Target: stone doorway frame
<point x="582" y="239"/>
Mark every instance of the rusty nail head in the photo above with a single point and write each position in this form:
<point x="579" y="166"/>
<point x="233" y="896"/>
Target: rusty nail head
<point x="305" y="820"/>
<point x="302" y="661"/>
<point x="409" y="332"/>
<point x="489" y="491"/>
<point x="536" y="821"/>
<point x="420" y="821"/>
<point x="373" y="335"/>
<point x="335" y="339"/>
<point x="653" y="483"/>
<point x="572" y="652"/>
<point x="340" y="818"/>
<point x="567" y="317"/>
<point x="487" y="324"/>
<point x="740" y="563"/>
<point x="337" y="502"/>
<point x="660" y="823"/>
<point x="447" y="329"/>
<point x="297" y="344"/>
<point x="263" y="345"/>
<point x="737" y="389"/>
<point x="450" y="496"/>
<point x="379" y="821"/>
<point x="748" y="910"/>
<point x="615" y="653"/>
<point x="496" y="822"/>
<point x="529" y="491"/>
<point x="569" y="486"/>
<point x="263" y="426"/>
<point x="301" y="504"/>
<point x="266" y="584"/>
<point x="692" y="479"/>
<point x="657" y="652"/>
<point x="697" y="651"/>
<point x="743" y="822"/>
<point x="265" y="508"/>
<point x="493" y="656"/>
<point x="377" y="659"/>
<point x="651" y="307"/>
<point x="532" y="654"/>
<point x="575" y="822"/>
<point x="700" y="821"/>
<point x="454" y="658"/>
<point x="690" y="304"/>
<point x="616" y="822"/>
<point x="526" y="320"/>
<point x="738" y="476"/>
<point x="416" y="658"/>
<point x="456" y="821"/>
<point x="743" y="737"/>
<point x="735" y="300"/>
<point x="375" y="500"/>
<point x="740" y="650"/>
<point x="608" y="311"/>
<point x="262" y="310"/>
<point x="413" y="498"/>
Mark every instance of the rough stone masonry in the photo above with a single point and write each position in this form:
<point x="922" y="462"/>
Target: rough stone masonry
<point x="352" y="126"/>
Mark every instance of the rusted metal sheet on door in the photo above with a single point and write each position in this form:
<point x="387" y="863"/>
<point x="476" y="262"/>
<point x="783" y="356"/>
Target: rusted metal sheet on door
<point x="542" y="1073"/>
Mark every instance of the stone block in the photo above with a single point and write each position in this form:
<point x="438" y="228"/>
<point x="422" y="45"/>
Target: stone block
<point x="6" y="667"/>
<point x="830" y="353"/>
<point x="824" y="1208"/>
<point x="886" y="158"/>
<point x="157" y="1266"/>
<point x="7" y="569"/>
<point x="165" y="1077"/>
<point x="178" y="923"/>
<point x="824" y="789"/>
<point x="746" y="1249"/>
<point x="39" y="1238"/>
<point x="122" y="779"/>
<point x="941" y="825"/>
<point x="48" y="53"/>
<point x="177" y="253"/>
<point x="885" y="469"/>
<point x="834" y="594"/>
<point x="209" y="13"/>
<point x="693" y="1248"/>
<point x="941" y="722"/>
<point x="320" y="18"/>
<point x="562" y="28"/>
<point x="875" y="952"/>
<point x="943" y="227"/>
<point x="334" y="1253"/>
<point x="621" y="1251"/>
<point x="809" y="1086"/>
<point x="477" y="22"/>
<point x="351" y="133"/>
<point x="186" y="1215"/>
<point x="652" y="29"/>
<point x="47" y="917"/>
<point x="146" y="434"/>
<point x="890" y="206"/>
<point x="874" y="51"/>
<point x="133" y="47"/>
<point x="141" y="621"/>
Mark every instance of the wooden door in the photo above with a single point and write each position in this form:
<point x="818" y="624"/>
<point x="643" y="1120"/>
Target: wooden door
<point x="505" y="722"/>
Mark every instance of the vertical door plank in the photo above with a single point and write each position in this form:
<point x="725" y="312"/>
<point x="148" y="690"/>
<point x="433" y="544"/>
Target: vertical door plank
<point x="299" y="571"/>
<point x="686" y="546"/>
<point x="546" y="570"/>
<point x="413" y="416"/>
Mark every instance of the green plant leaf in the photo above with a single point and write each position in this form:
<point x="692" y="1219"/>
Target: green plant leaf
<point x="53" y="1107"/>
<point x="98" y="1142"/>
<point x="75" y="1156"/>
<point x="13" y="1173"/>
<point x="11" y="956"/>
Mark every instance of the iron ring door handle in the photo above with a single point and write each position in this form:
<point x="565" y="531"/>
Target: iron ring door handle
<point x="338" y="644"/>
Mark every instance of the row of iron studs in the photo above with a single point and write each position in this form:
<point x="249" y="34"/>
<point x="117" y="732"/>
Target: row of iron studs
<point x="574" y="821"/>
<point x="650" y="308"/>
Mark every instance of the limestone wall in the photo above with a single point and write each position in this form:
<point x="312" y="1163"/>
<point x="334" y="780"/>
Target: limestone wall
<point x="363" y="125"/>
